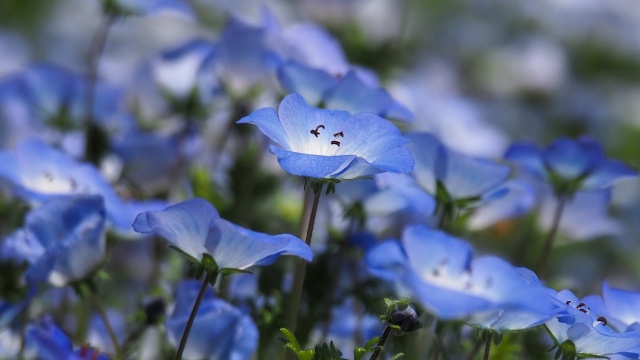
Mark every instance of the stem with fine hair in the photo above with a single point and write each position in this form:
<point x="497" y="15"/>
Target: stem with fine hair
<point x="383" y="340"/>
<point x="107" y="324"/>
<point x="487" y="346"/>
<point x="192" y="317"/>
<point x="301" y="268"/>
<point x="548" y="243"/>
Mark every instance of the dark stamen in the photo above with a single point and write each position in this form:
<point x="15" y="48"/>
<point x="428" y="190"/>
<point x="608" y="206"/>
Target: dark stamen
<point x="603" y="320"/>
<point x="340" y="134"/>
<point x="315" y="132"/>
<point x="335" y="142"/>
<point x="568" y="302"/>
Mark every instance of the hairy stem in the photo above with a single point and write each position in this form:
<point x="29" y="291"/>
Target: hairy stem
<point x="383" y="340"/>
<point x="548" y="243"/>
<point x="301" y="270"/>
<point x="192" y="317"/>
<point x="107" y="324"/>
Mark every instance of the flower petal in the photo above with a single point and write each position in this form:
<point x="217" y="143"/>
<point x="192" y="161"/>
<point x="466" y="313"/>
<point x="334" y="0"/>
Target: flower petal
<point x="528" y="156"/>
<point x="316" y="166"/>
<point x="268" y="122"/>
<point x="185" y="225"/>
<point x="309" y="82"/>
<point x="234" y="247"/>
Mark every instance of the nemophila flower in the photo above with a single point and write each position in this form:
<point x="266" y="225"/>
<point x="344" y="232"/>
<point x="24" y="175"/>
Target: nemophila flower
<point x="331" y="144"/>
<point x="220" y="331"/>
<point x="621" y="308"/>
<point x="518" y="200"/>
<point x="442" y="275"/>
<point x="345" y="92"/>
<point x="38" y="172"/>
<point x="195" y="228"/>
<point x="583" y="331"/>
<point x="62" y="241"/>
<point x="187" y="71"/>
<point x="44" y="97"/>
<point x="243" y="60"/>
<point x="45" y="340"/>
<point x="450" y="175"/>
<point x="570" y="165"/>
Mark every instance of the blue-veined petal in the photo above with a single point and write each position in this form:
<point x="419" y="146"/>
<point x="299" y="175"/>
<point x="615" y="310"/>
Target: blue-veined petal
<point x="185" y="225"/>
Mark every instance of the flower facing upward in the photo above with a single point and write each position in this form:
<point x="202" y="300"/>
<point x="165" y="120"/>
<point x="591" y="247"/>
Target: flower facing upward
<point x="321" y="143"/>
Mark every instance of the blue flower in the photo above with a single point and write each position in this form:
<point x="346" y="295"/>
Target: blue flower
<point x="220" y="331"/>
<point x="45" y="340"/>
<point x="195" y="228"/>
<point x="187" y="69"/>
<point x="320" y="143"/>
<point x="438" y="269"/>
<point x="461" y="176"/>
<point x="570" y="165"/>
<point x="347" y="92"/>
<point x="63" y="240"/>
<point x="621" y="307"/>
<point x="518" y="200"/>
<point x="588" y="331"/>
<point x="38" y="172"/>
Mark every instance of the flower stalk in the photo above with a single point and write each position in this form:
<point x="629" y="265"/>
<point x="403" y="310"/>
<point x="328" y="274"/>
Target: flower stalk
<point x="192" y="317"/>
<point x="548" y="243"/>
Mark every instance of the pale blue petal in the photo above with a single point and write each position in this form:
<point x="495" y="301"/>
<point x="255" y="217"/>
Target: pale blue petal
<point x="527" y="156"/>
<point x="608" y="173"/>
<point x="309" y="82"/>
<point x="386" y="260"/>
<point x="429" y="250"/>
<point x="446" y="303"/>
<point x="353" y="95"/>
<point x="71" y="230"/>
<point x="316" y="166"/>
<point x="519" y="199"/>
<point x="185" y="225"/>
<point x="268" y="122"/>
<point x="235" y="247"/>
<point x="588" y="340"/>
<point x="298" y="119"/>
<point x="622" y="304"/>
<point x="426" y="150"/>
<point x="220" y="331"/>
<point x="571" y="159"/>
<point x="467" y="177"/>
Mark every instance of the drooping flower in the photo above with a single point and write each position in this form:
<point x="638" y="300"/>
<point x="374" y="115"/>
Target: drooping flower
<point x="220" y="331"/>
<point x="570" y="165"/>
<point x="439" y="271"/>
<point x="320" y="143"/>
<point x="62" y="241"/>
<point x="585" y="332"/>
<point x="195" y="228"/>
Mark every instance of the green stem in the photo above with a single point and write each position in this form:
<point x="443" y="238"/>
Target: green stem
<point x="548" y="243"/>
<point x="301" y="270"/>
<point x="487" y="346"/>
<point x="383" y="340"/>
<point x="475" y="349"/>
<point x="97" y="49"/>
<point x="107" y="324"/>
<point x="192" y="317"/>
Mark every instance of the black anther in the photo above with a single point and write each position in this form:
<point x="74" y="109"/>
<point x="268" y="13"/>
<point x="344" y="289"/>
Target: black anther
<point x="603" y="320"/>
<point x="335" y="142"/>
<point x="340" y="134"/>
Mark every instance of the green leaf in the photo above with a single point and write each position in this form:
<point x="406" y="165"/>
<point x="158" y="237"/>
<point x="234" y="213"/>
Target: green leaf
<point x="397" y="356"/>
<point x="291" y="339"/>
